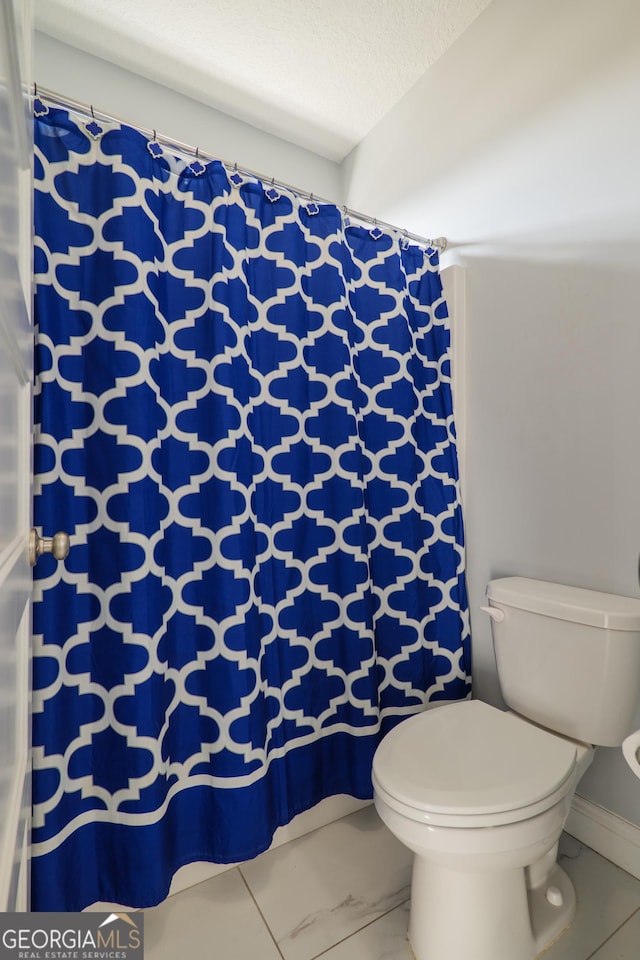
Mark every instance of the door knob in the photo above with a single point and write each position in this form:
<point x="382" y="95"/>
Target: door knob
<point x="57" y="545"/>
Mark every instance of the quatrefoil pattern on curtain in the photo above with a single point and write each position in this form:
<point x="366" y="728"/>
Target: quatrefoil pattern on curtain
<point x="243" y="417"/>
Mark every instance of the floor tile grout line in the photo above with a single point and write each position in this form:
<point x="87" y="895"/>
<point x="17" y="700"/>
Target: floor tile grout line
<point x="262" y="916"/>
<point x="614" y="932"/>
<point x="322" y="953"/>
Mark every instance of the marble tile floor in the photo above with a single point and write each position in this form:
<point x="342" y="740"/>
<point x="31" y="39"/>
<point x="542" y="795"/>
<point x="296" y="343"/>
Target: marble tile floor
<point x="342" y="893"/>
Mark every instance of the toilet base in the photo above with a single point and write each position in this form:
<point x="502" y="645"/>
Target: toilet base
<point x="549" y="921"/>
<point x="484" y="914"/>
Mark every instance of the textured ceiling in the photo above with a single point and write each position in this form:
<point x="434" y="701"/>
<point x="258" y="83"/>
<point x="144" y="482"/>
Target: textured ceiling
<point x="320" y="73"/>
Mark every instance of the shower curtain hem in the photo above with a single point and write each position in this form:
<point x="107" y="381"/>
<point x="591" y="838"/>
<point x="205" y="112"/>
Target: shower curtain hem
<point x="136" y="848"/>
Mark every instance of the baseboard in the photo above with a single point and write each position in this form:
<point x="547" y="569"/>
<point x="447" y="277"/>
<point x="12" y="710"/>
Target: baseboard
<point x="605" y="832"/>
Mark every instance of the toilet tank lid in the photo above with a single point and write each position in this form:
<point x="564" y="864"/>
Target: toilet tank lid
<point x="605" y="610"/>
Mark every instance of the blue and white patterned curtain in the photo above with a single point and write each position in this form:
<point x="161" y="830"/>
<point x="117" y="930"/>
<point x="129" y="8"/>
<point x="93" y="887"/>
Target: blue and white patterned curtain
<point x="244" y="419"/>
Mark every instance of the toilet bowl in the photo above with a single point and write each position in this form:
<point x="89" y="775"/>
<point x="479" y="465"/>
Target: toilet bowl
<point x="480" y="796"/>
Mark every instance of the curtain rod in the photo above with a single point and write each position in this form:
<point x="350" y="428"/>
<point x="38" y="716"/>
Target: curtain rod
<point x="88" y="111"/>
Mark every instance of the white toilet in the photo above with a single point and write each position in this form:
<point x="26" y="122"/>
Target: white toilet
<point x="481" y="795"/>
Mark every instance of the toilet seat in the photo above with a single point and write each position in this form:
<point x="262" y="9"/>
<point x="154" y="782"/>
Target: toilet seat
<point x="469" y="764"/>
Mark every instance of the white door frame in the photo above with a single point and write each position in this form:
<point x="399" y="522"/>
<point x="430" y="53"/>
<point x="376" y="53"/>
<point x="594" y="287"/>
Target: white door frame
<point x="16" y="373"/>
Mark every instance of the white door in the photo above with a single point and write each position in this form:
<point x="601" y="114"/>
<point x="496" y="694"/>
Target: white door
<point x="16" y="350"/>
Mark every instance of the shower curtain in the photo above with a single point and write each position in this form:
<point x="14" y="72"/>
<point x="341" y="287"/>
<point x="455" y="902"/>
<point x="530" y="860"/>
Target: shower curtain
<point x="244" y="419"/>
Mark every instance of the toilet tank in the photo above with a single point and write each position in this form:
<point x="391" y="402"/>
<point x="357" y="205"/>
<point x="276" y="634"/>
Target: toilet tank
<point x="568" y="658"/>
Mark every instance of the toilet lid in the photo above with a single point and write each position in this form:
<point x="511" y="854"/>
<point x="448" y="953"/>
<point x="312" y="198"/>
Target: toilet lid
<point x="470" y="758"/>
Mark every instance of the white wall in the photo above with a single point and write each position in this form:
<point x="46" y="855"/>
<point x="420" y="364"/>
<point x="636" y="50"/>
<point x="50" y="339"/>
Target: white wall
<point x="88" y="79"/>
<point x="522" y="146"/>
